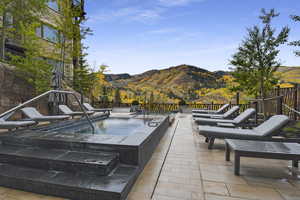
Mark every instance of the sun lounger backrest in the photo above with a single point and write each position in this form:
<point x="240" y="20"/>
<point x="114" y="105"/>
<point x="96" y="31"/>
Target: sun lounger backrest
<point x="222" y="108"/>
<point x="88" y="106"/>
<point x="244" y="115"/>
<point x="65" y="109"/>
<point x="31" y="112"/>
<point x="231" y="111"/>
<point x="2" y="120"/>
<point x="272" y="125"/>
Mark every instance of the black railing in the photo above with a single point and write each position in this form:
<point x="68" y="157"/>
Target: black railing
<point x="167" y="107"/>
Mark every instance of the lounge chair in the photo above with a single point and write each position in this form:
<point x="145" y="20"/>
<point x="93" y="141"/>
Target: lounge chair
<point x="15" y="124"/>
<point x="263" y="132"/>
<point x="239" y="120"/>
<point x="226" y="115"/>
<point x="91" y="108"/>
<point x="36" y="116"/>
<point x="220" y="111"/>
<point x="67" y="111"/>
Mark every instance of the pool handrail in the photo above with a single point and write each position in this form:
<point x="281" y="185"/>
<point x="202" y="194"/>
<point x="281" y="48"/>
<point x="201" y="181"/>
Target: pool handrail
<point x="46" y="94"/>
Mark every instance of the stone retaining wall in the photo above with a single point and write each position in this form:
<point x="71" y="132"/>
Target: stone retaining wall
<point x="13" y="89"/>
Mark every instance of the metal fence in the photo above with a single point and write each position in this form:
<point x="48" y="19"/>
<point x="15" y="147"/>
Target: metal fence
<point x="169" y="107"/>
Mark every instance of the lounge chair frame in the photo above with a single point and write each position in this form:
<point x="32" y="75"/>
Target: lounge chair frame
<point x="67" y="111"/>
<point x="219" y="111"/>
<point x="91" y="108"/>
<point x="278" y="122"/>
<point x="17" y="108"/>
<point x="231" y="112"/>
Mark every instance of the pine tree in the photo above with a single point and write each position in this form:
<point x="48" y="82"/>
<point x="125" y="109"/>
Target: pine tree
<point x="296" y="43"/>
<point x="83" y="78"/>
<point x="73" y="31"/>
<point x="256" y="59"/>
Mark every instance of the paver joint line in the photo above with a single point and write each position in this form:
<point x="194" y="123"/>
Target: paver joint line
<point x="165" y="158"/>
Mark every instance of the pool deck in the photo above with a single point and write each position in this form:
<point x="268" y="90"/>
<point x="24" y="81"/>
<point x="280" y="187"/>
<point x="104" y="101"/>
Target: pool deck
<point x="182" y="168"/>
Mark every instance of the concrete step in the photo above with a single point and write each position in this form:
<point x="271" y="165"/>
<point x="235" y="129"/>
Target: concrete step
<point x="101" y="163"/>
<point x="75" y="186"/>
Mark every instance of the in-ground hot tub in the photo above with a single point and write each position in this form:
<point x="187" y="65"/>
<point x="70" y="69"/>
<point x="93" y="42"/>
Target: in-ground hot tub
<point x="134" y="139"/>
<point x="113" y="126"/>
<point x="100" y="166"/>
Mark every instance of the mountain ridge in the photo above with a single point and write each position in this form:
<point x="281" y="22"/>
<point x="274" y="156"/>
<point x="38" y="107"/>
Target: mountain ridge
<point x="182" y="82"/>
<point x="176" y="82"/>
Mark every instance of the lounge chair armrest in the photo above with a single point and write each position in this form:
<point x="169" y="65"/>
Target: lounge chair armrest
<point x="226" y="125"/>
<point x="216" y="117"/>
<point x="249" y="126"/>
<point x="282" y="139"/>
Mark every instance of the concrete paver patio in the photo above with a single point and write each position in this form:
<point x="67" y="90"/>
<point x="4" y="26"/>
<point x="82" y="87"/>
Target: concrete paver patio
<point x="182" y="168"/>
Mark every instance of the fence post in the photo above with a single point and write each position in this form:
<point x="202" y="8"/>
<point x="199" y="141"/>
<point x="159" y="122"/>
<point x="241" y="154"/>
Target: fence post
<point x="278" y="91"/>
<point x="279" y="105"/>
<point x="237" y="98"/>
<point x="295" y="100"/>
<point x="256" y="113"/>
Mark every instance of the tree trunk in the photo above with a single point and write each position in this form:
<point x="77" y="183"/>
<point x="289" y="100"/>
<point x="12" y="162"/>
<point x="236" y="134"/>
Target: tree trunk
<point x="2" y="41"/>
<point x="76" y="46"/>
<point x="263" y="95"/>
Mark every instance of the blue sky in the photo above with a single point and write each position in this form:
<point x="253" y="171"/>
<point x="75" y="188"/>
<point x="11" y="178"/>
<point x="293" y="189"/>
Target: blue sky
<point x="132" y="36"/>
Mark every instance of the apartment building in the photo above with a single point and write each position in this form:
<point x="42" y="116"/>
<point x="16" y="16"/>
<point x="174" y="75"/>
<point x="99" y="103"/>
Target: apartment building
<point x="50" y="36"/>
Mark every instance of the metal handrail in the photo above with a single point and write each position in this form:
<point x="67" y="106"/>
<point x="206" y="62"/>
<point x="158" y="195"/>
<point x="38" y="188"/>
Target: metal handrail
<point x="291" y="109"/>
<point x="46" y="94"/>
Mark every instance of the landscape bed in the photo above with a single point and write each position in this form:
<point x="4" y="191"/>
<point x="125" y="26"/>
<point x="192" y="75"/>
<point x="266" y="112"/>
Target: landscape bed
<point x="66" y="160"/>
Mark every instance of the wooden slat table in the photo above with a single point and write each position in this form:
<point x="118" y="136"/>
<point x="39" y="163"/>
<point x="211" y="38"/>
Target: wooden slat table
<point x="260" y="149"/>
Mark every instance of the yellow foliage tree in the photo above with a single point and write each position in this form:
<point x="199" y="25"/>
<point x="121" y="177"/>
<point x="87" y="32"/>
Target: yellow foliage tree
<point x="99" y="83"/>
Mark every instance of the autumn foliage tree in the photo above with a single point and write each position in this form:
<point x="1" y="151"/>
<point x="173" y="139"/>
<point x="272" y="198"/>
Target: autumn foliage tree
<point x="98" y="82"/>
<point x="257" y="58"/>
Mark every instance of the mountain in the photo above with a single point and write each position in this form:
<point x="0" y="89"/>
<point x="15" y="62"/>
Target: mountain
<point x="289" y="74"/>
<point x="179" y="82"/>
<point x="184" y="82"/>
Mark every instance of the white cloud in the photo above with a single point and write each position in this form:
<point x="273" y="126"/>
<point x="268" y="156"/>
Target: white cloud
<point x="128" y="14"/>
<point x="177" y="2"/>
<point x="163" y="31"/>
<point x="138" y="10"/>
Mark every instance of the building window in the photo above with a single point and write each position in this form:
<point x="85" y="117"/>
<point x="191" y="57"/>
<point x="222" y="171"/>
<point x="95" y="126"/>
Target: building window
<point x="9" y="20"/>
<point x="48" y="33"/>
<point x="53" y="5"/>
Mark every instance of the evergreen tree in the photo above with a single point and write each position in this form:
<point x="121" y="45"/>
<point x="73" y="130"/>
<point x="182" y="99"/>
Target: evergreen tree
<point x="296" y="43"/>
<point x="256" y="59"/>
<point x="83" y="77"/>
<point x="73" y="31"/>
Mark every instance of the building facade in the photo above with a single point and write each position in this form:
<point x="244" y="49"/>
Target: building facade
<point x="50" y="37"/>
